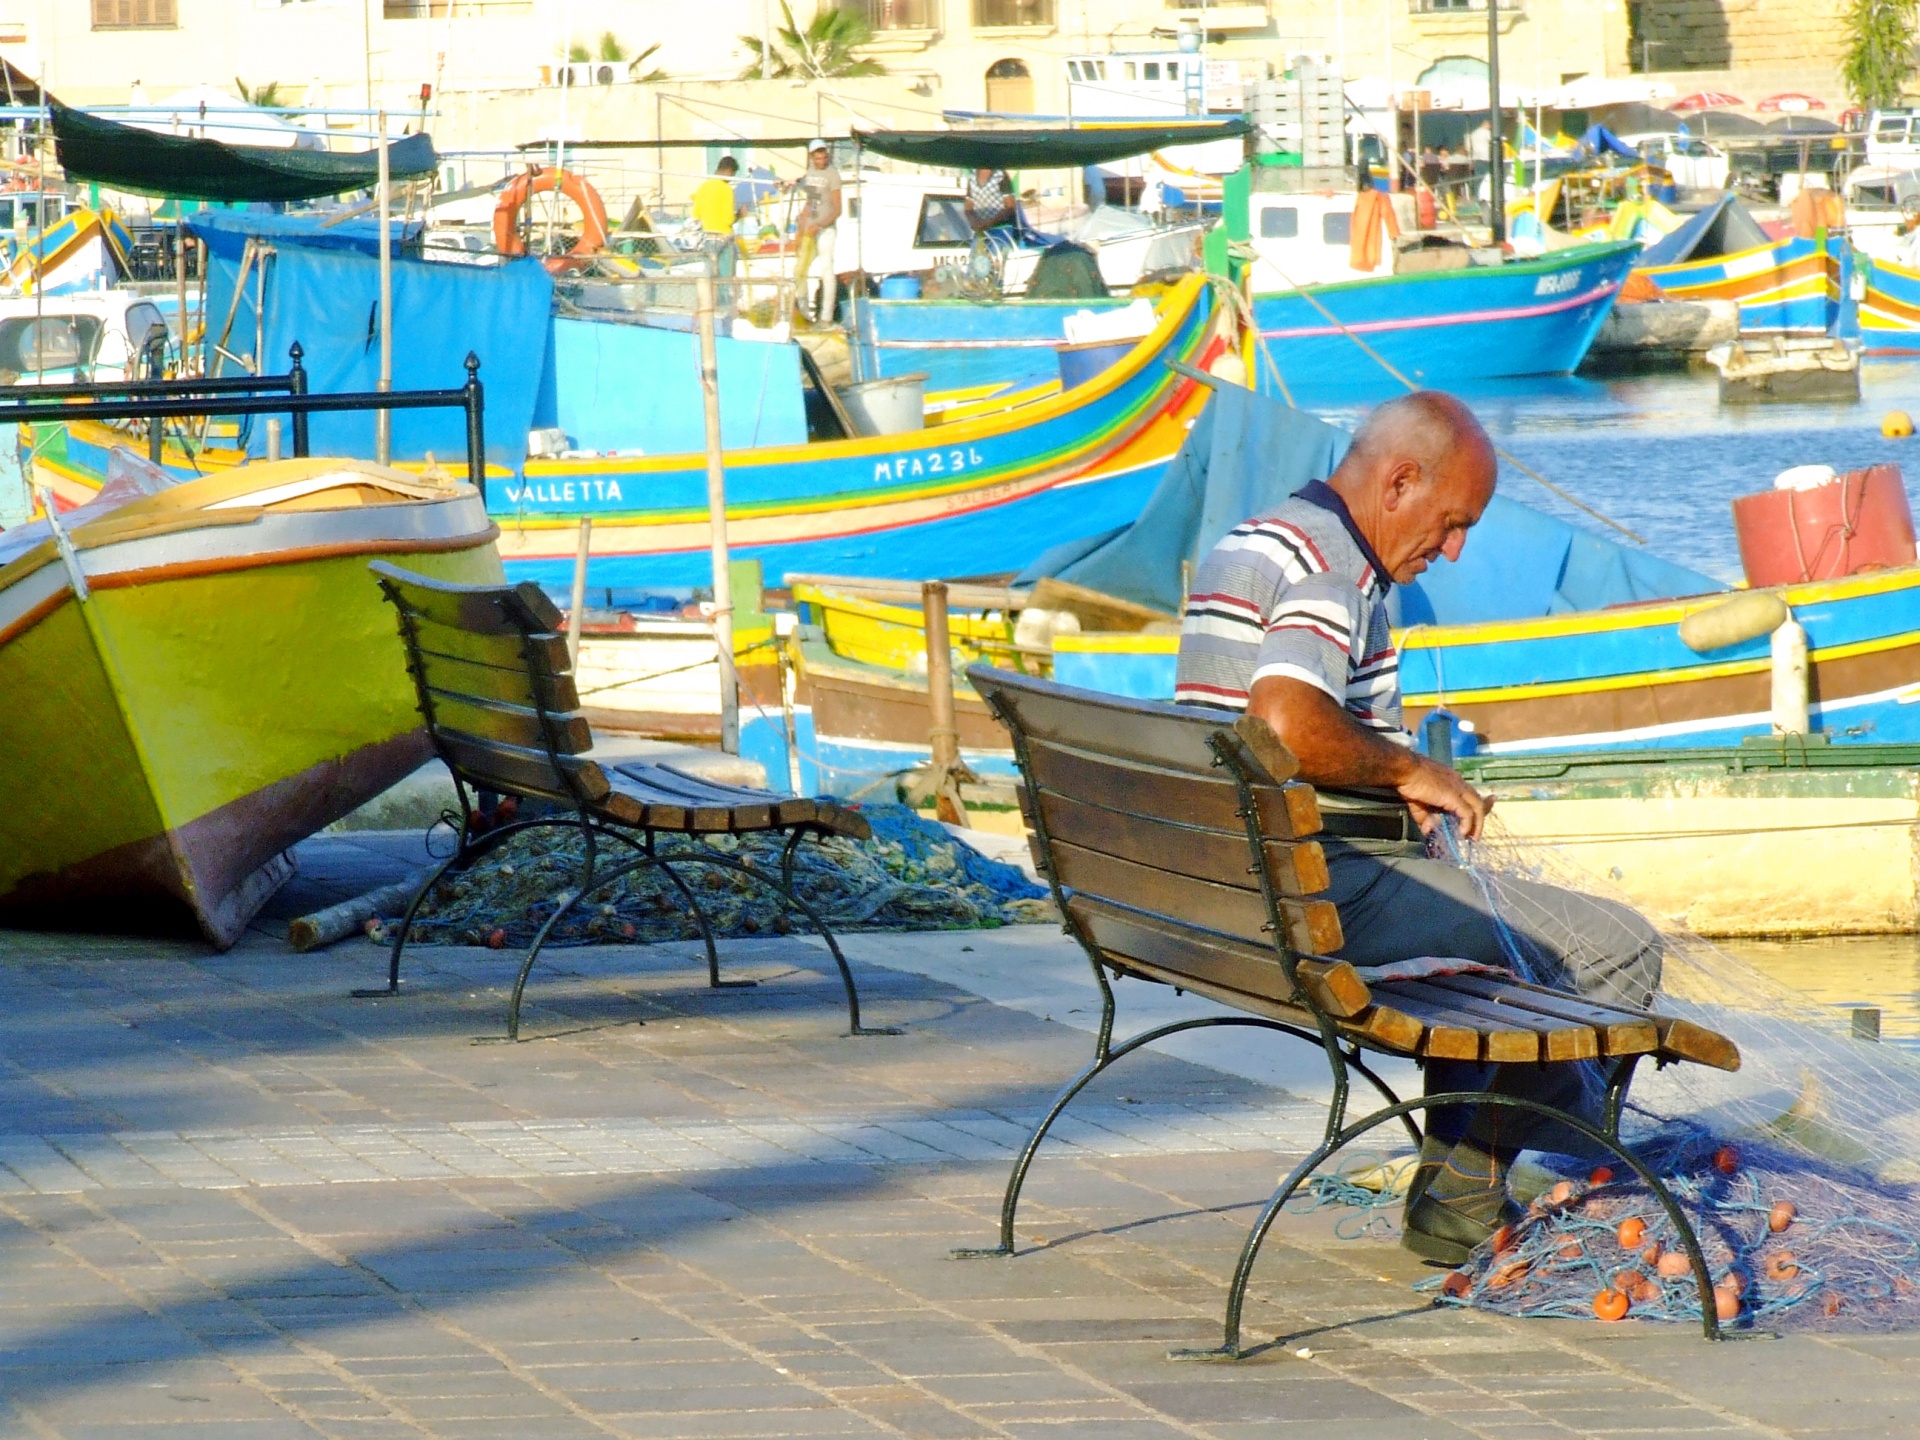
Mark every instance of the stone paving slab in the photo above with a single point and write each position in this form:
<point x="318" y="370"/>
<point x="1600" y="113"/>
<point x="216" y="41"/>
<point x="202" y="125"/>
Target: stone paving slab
<point x="235" y="1202"/>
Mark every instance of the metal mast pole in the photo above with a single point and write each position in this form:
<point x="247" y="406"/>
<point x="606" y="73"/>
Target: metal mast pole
<point x="383" y="419"/>
<point x="1496" y="182"/>
<point x="717" y="513"/>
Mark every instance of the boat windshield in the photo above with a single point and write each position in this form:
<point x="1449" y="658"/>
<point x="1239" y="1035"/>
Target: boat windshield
<point x="38" y="344"/>
<point x="943" y="221"/>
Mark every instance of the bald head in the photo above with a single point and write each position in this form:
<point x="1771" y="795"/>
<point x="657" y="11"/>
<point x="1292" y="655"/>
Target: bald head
<point x="1419" y="475"/>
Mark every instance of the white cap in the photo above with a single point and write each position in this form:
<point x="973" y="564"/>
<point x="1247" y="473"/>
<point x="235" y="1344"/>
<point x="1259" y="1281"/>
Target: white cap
<point x="816" y="144"/>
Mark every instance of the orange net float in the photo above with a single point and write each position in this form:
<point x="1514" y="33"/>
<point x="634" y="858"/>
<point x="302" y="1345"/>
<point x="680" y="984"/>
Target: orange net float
<point x="577" y="188"/>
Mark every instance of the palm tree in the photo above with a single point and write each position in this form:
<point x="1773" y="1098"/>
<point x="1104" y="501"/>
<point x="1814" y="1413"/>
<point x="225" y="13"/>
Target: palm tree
<point x="1880" y="59"/>
<point x="823" y="51"/>
<point x="266" y="96"/>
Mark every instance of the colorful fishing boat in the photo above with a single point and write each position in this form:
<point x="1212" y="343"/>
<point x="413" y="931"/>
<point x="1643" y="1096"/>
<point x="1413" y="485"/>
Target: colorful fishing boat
<point x="202" y="674"/>
<point x="1889" y="307"/>
<point x="970" y="497"/>
<point x="1444" y="327"/>
<point x="1724" y="254"/>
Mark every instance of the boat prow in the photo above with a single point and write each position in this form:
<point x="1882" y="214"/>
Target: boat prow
<point x="202" y="676"/>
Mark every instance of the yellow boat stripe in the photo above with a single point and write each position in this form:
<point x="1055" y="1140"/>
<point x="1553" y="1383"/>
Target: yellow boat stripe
<point x="1554" y="689"/>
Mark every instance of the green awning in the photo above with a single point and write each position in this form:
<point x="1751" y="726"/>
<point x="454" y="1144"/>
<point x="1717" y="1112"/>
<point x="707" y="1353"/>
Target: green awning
<point x="1043" y="149"/>
<point x="144" y="162"/>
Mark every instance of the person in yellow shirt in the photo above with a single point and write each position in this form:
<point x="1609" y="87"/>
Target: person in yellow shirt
<point x="715" y="208"/>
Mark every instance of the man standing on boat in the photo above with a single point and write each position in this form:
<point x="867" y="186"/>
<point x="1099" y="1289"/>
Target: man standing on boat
<point x="716" y="208"/>
<point x="1287" y="620"/>
<point x="819" y="219"/>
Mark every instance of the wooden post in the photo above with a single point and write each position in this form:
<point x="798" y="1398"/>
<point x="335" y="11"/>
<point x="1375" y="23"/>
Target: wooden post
<point x="577" y="606"/>
<point x="1496" y="153"/>
<point x="717" y="513"/>
<point x="180" y="282"/>
<point x="383" y="419"/>
<point x="943" y="736"/>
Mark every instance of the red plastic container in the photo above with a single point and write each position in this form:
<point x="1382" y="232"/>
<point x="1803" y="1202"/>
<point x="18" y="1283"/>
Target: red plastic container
<point x="1858" y="522"/>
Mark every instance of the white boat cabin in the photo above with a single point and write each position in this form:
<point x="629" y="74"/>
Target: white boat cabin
<point x="97" y="336"/>
<point x="1304" y="239"/>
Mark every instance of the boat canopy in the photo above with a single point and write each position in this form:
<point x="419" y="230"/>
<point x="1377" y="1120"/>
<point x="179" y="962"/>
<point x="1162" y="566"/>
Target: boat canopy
<point x="1247" y="452"/>
<point x="1723" y="228"/>
<point x="1041" y="149"/>
<point x="143" y="162"/>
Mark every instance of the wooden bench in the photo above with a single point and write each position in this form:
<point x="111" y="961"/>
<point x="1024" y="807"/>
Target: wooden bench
<point x="1179" y="848"/>
<point x="496" y="689"/>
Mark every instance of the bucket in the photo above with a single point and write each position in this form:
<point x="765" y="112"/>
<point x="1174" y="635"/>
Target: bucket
<point x="893" y="406"/>
<point x="1856" y="522"/>
<point x="1081" y="363"/>
<point x="900" y="287"/>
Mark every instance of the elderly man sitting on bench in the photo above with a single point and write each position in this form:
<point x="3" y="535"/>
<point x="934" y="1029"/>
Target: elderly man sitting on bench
<point x="1287" y="620"/>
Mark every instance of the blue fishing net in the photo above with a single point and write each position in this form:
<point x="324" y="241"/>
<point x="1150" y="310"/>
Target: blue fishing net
<point x="912" y="875"/>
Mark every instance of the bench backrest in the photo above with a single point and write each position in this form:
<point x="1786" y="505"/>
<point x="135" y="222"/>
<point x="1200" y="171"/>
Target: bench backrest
<point x="1138" y="823"/>
<point x="495" y="686"/>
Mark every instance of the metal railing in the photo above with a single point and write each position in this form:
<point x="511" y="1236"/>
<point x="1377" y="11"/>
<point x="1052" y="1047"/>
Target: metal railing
<point x="156" y="400"/>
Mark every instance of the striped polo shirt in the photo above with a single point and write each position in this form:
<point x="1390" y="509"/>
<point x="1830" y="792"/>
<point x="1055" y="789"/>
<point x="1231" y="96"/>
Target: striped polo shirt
<point x="1297" y="592"/>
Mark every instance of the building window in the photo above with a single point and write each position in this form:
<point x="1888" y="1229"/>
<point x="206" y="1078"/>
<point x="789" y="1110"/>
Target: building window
<point x="134" y="15"/>
<point x="898" y="14"/>
<point x="990" y="13"/>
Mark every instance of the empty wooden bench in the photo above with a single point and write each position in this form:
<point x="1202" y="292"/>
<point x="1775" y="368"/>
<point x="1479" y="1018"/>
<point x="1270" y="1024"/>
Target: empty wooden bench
<point x="496" y="689"/>
<point x="1179" y="848"/>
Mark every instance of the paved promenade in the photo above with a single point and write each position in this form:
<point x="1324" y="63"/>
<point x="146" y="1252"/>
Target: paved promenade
<point x="236" y="1203"/>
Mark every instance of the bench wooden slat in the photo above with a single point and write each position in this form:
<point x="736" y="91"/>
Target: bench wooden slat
<point x="679" y="811"/>
<point x="489" y="682"/>
<point x="511" y="724"/>
<point x="1299" y="868"/>
<point x="513" y="768"/>
<point x="1513" y="1034"/>
<point x="1313" y="926"/>
<point x="502" y="652"/>
<point x="1684" y="1040"/>
<point x="726" y="806"/>
<point x="1617" y="1030"/>
<point x="1149" y="732"/>
<point x="1287" y="812"/>
<point x="493" y="610"/>
<point x="1191" y="953"/>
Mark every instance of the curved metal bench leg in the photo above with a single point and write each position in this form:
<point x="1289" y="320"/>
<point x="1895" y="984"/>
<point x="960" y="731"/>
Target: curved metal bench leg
<point x="706" y="931"/>
<point x="1011" y="1201"/>
<point x="1243" y="1271"/>
<point x="854" y="1027"/>
<point x="460" y="859"/>
<point x="599" y="882"/>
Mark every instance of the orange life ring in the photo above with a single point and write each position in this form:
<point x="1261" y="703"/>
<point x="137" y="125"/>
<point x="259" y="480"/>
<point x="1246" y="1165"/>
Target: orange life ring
<point x="506" y="215"/>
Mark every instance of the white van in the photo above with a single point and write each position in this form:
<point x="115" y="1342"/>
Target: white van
<point x="1893" y="137"/>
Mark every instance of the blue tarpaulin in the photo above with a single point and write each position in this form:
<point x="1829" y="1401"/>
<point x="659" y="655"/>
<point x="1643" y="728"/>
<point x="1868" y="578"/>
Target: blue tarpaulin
<point x="328" y="300"/>
<point x="1598" y="140"/>
<point x="1246" y="453"/>
<point x="1723" y="228"/>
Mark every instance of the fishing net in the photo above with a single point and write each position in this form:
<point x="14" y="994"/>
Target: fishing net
<point x="1798" y="1171"/>
<point x="912" y="875"/>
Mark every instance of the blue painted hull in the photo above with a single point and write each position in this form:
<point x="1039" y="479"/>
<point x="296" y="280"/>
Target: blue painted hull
<point x="1537" y="317"/>
<point x="966" y="344"/>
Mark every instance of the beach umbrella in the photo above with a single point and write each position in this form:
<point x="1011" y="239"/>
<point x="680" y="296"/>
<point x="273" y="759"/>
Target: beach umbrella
<point x="1790" y="103"/>
<point x="1706" y="100"/>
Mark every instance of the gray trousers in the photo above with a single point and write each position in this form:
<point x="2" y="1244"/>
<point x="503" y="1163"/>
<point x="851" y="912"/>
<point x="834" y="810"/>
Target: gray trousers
<point x="1395" y="903"/>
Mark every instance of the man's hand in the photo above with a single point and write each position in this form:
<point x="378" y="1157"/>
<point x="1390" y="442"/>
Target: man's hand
<point x="1335" y="749"/>
<point x="1430" y="787"/>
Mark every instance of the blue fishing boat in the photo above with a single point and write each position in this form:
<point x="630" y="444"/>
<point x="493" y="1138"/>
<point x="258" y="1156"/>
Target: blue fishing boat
<point x="1446" y="327"/>
<point x="1443" y="328"/>
<point x="1723" y="254"/>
